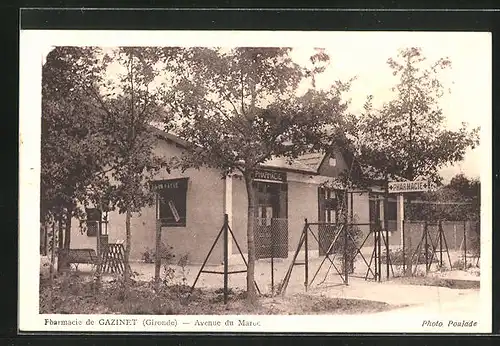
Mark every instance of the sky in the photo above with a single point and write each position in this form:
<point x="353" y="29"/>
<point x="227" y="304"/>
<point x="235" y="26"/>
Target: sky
<point x="364" y="55"/>
<point x="468" y="80"/>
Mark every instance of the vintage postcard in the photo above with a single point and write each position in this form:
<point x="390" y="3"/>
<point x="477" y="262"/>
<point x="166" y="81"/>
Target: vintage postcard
<point x="226" y="181"/>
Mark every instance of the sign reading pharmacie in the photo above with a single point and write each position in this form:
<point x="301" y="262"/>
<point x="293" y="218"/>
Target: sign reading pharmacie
<point x="408" y="186"/>
<point x="170" y="184"/>
<point x="269" y="176"/>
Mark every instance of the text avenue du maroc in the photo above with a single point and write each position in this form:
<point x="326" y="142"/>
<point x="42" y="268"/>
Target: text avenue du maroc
<point x="450" y="323"/>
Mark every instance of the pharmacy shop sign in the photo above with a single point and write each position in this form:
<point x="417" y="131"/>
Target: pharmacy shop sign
<point x="408" y="186"/>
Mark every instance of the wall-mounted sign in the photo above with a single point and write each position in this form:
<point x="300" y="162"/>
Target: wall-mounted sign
<point x="172" y="184"/>
<point x="172" y="198"/>
<point x="408" y="186"/>
<point x="271" y="176"/>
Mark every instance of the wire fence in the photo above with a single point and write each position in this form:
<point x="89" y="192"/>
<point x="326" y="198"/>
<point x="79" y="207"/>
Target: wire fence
<point x="271" y="238"/>
<point x="335" y="252"/>
<point x="457" y="241"/>
<point x="330" y="253"/>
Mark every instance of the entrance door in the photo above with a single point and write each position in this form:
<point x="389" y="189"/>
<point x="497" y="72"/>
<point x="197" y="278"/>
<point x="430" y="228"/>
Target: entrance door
<point x="271" y="224"/>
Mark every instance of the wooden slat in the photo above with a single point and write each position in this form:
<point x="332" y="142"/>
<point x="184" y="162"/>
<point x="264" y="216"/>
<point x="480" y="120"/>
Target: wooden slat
<point x="114" y="259"/>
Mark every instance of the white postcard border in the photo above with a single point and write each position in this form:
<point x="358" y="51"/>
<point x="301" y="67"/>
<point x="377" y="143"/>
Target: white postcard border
<point x="35" y="43"/>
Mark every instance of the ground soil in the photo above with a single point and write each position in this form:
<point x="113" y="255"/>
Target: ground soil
<point x="73" y="294"/>
<point x="327" y="294"/>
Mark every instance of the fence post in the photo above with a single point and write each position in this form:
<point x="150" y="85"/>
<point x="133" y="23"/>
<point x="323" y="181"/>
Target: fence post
<point x="379" y="248"/>
<point x="465" y="247"/>
<point x="272" y="256"/>
<point x="426" y="230"/>
<point x="440" y="230"/>
<point x="404" y="246"/>
<point x="347" y="262"/>
<point x="306" y="257"/>
<point x="386" y="228"/>
<point x="226" y="221"/>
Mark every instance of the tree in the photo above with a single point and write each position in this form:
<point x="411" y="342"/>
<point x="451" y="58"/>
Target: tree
<point x="97" y="140"/>
<point x="238" y="108"/>
<point x="470" y="190"/>
<point x="71" y="150"/>
<point x="406" y="137"/>
<point x="444" y="203"/>
<point x="130" y="115"/>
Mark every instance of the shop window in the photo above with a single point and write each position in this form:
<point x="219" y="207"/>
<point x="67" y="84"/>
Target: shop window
<point x="172" y="202"/>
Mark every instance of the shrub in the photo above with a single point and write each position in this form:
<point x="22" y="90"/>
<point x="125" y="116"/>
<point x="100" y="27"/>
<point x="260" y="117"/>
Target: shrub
<point x="396" y="257"/>
<point x="183" y="262"/>
<point x="168" y="275"/>
<point x="353" y="242"/>
<point x="166" y="254"/>
<point x="460" y="264"/>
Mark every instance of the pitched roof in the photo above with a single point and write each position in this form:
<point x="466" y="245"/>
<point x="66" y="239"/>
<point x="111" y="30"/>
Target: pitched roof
<point x="311" y="160"/>
<point x="307" y="163"/>
<point x="290" y="165"/>
<point x="169" y="137"/>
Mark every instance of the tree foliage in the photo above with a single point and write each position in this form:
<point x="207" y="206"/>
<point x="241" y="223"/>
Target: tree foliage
<point x="96" y="131"/>
<point x="97" y="139"/>
<point x="457" y="201"/>
<point x="406" y="137"/>
<point x="72" y="145"/>
<point x="239" y="107"/>
<point x="132" y="106"/>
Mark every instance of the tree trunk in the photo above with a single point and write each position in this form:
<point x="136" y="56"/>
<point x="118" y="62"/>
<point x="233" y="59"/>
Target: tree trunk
<point x="60" y="245"/>
<point x="157" y="255"/>
<point x="67" y="234"/>
<point x="251" y="292"/>
<point x="126" y="274"/>
<point x="52" y="246"/>
<point x="98" y="271"/>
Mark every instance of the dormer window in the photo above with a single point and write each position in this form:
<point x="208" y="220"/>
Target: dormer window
<point x="332" y="162"/>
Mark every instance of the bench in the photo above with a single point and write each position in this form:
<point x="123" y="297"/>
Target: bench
<point x="80" y="256"/>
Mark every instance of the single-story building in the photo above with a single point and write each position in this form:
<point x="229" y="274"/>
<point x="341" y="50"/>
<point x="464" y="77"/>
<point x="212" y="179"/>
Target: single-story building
<point x="191" y="206"/>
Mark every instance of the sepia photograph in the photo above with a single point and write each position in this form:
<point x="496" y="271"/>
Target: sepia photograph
<point x="255" y="181"/>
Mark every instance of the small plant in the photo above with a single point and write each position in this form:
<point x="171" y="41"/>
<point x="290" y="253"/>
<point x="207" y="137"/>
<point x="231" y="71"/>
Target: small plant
<point x="148" y="256"/>
<point x="168" y="275"/>
<point x="278" y="288"/>
<point x="442" y="267"/>
<point x="166" y="254"/>
<point x="398" y="257"/>
<point x="183" y="262"/>
<point x="459" y="264"/>
<point x="353" y="240"/>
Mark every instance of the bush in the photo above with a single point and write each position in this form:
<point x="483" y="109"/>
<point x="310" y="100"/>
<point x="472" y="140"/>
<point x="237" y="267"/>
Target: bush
<point x="460" y="264"/>
<point x="396" y="257"/>
<point x="171" y="283"/>
<point x="353" y="242"/>
<point x="166" y="254"/>
<point x="183" y="262"/>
